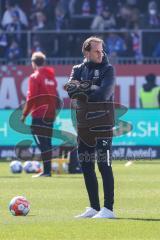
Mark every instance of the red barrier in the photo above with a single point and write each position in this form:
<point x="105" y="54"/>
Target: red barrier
<point x="129" y="79"/>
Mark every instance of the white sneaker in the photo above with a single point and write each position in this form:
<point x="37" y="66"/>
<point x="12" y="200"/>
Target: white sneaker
<point x="105" y="213"/>
<point x="89" y="213"/>
<point x="41" y="175"/>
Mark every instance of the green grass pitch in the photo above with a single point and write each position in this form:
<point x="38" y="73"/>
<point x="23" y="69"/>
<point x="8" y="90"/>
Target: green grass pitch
<point x="55" y="201"/>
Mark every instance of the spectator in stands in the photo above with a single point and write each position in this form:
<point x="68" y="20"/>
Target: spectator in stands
<point x="15" y="27"/>
<point x="150" y="93"/>
<point x="40" y="21"/>
<point x="64" y="5"/>
<point x="127" y="17"/>
<point x="39" y="5"/>
<point x="123" y="17"/>
<point x="85" y="7"/>
<point x="50" y="12"/>
<point x="40" y="24"/>
<point x="7" y="16"/>
<point x="13" y="52"/>
<point x="115" y="44"/>
<point x="61" y="19"/>
<point x="99" y="7"/>
<point x="71" y="7"/>
<point x="152" y="18"/>
<point x="104" y="21"/>
<point x="39" y="14"/>
<point x="136" y="41"/>
<point x="61" y="22"/>
<point x="3" y="43"/>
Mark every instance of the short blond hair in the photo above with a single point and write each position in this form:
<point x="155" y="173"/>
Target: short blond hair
<point x="38" y="58"/>
<point x="87" y="43"/>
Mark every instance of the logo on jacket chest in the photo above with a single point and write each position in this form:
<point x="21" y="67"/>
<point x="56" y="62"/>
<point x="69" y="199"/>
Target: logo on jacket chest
<point x="96" y="76"/>
<point x="48" y="82"/>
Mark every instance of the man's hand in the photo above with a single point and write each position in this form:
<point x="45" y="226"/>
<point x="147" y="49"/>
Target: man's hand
<point x="85" y="85"/>
<point x="23" y="118"/>
<point x="72" y="85"/>
<point x="75" y="84"/>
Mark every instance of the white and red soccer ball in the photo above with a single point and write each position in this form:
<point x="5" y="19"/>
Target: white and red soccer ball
<point x="19" y="206"/>
<point x="37" y="166"/>
<point x="32" y="167"/>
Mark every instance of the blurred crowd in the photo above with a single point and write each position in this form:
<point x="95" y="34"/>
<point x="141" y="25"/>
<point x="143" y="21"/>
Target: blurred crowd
<point x="122" y="18"/>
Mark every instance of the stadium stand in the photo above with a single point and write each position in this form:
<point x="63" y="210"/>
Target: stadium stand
<point x="130" y="29"/>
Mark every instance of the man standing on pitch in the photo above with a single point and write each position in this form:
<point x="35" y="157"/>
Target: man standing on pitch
<point x="41" y="104"/>
<point x="92" y="85"/>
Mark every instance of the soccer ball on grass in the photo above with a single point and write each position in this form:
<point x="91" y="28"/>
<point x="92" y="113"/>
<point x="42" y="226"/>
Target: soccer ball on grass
<point x="19" y="206"/>
<point x="16" y="166"/>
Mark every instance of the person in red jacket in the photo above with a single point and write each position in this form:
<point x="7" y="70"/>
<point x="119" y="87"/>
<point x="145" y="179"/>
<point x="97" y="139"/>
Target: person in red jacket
<point x="41" y="103"/>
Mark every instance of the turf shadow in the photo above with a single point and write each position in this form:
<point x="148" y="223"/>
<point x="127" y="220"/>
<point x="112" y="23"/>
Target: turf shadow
<point x="141" y="219"/>
<point x="9" y="176"/>
<point x="63" y="176"/>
